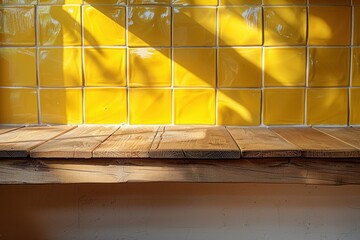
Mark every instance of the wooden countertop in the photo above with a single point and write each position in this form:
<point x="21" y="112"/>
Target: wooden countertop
<point x="77" y="154"/>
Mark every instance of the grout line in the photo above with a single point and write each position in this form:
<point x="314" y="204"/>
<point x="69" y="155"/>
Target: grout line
<point x="351" y="63"/>
<point x="217" y="35"/>
<point x="262" y="100"/>
<point x="307" y="66"/>
<point x="127" y="71"/>
<point x="172" y="67"/>
<point x="83" y="68"/>
<point x="37" y="53"/>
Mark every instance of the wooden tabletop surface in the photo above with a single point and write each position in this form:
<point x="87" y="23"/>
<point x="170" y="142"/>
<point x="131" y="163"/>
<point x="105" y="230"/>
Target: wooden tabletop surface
<point x="185" y="142"/>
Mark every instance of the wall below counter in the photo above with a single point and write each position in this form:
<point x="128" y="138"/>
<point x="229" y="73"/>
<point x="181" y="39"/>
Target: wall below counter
<point x="180" y="211"/>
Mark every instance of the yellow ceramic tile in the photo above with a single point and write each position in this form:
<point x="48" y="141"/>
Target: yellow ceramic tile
<point x="284" y="106"/>
<point x="195" y="2"/>
<point x="59" y="25"/>
<point x="149" y="67"/>
<point x="285" y="25"/>
<point x="194" y="106"/>
<point x="17" y="26"/>
<point x="18" y="2"/>
<point x="331" y="2"/>
<point x="104" y="25"/>
<point x="329" y="25"/>
<point x="105" y="105"/>
<point x="357" y="26"/>
<point x="194" y="26"/>
<point x="239" y="2"/>
<point x="105" y="1"/>
<point x="329" y="67"/>
<point x="327" y="106"/>
<point x="18" y="106"/>
<point x="240" y="67"/>
<point x="285" y="66"/>
<point x="356" y="68"/>
<point x="60" y="67"/>
<point x="61" y="106"/>
<point x="240" y="26"/>
<point x="18" y="67"/>
<point x="150" y="106"/>
<point x="239" y="107"/>
<point x="195" y="67"/>
<point x="355" y="106"/>
<point x="149" y="26"/>
<point x="105" y="66"/>
<point x="276" y="2"/>
<point x="167" y="2"/>
<point x="60" y="1"/>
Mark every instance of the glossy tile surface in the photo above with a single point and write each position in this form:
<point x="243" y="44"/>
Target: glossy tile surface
<point x="285" y="26"/>
<point x="276" y="2"/>
<point x="105" y="66"/>
<point x="285" y="67"/>
<point x="226" y="62"/>
<point x="327" y="106"/>
<point x="149" y="26"/>
<point x="356" y="67"/>
<point x="329" y="25"/>
<point x="17" y="26"/>
<point x="239" y="107"/>
<point x="195" y="2"/>
<point x="194" y="26"/>
<point x="106" y="1"/>
<point x="355" y="106"/>
<point x="329" y="67"/>
<point x="238" y="2"/>
<point x="59" y="25"/>
<point x="195" y="67"/>
<point x="149" y="67"/>
<point x="61" y="106"/>
<point x="330" y="2"/>
<point x="240" y="25"/>
<point x="356" y="35"/>
<point x="150" y="106"/>
<point x="18" y="2"/>
<point x="18" y="67"/>
<point x="194" y="106"/>
<point x="104" y="25"/>
<point x="18" y="106"/>
<point x="60" y="1"/>
<point x="284" y="106"/>
<point x="60" y="67"/>
<point x="239" y="67"/>
<point x="105" y="105"/>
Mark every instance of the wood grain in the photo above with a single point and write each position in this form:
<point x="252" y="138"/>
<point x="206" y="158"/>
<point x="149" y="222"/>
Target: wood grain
<point x="262" y="142"/>
<point x="5" y="129"/>
<point x="315" y="144"/>
<point x="262" y="170"/>
<point x="199" y="142"/>
<point x="77" y="143"/>
<point x="18" y="143"/>
<point x="350" y="136"/>
<point x="127" y="142"/>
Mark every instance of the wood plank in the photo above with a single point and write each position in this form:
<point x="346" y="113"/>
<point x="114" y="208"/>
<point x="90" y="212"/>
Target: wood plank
<point x="262" y="170"/>
<point x="5" y="129"/>
<point x="262" y="142"/>
<point x="315" y="144"/>
<point x="78" y="143"/>
<point x="127" y="142"/>
<point x="350" y="136"/>
<point x="18" y="143"/>
<point x="201" y="142"/>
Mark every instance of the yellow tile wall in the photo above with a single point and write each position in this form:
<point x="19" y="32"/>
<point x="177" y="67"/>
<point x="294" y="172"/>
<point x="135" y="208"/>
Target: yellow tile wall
<point x="216" y="62"/>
